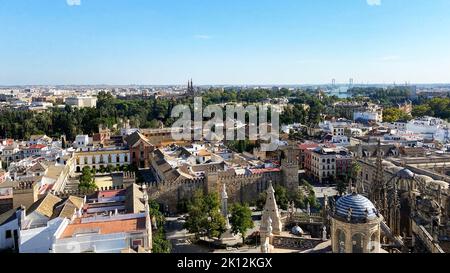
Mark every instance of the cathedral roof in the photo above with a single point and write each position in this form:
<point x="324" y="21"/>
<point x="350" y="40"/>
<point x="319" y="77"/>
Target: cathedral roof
<point x="361" y="207"/>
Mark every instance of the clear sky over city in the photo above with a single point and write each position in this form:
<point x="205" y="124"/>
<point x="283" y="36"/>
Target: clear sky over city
<point x="224" y="41"/>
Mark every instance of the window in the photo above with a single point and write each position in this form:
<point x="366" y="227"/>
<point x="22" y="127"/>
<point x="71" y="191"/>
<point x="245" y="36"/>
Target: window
<point x="358" y="243"/>
<point x="340" y="241"/>
<point x="8" y="234"/>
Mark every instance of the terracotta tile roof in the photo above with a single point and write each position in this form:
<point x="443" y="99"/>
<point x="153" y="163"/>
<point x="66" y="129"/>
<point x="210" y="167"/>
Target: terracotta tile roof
<point x="37" y="146"/>
<point x="68" y="207"/>
<point x="106" y="227"/>
<point x="111" y="193"/>
<point x="267" y="170"/>
<point x="204" y="153"/>
<point x="45" y="205"/>
<point x="76" y="201"/>
<point x="38" y="167"/>
<point x="66" y="210"/>
<point x="308" y="145"/>
<point x="135" y="138"/>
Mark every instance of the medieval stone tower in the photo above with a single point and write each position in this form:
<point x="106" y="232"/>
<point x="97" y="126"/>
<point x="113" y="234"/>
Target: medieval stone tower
<point x="289" y="168"/>
<point x="212" y="181"/>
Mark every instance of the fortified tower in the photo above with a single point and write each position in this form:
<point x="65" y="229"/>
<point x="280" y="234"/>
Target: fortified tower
<point x="289" y="168"/>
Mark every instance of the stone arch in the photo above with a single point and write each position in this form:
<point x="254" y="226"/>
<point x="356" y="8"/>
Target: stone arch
<point x="78" y="169"/>
<point x="372" y="246"/>
<point x="358" y="243"/>
<point x="340" y="241"/>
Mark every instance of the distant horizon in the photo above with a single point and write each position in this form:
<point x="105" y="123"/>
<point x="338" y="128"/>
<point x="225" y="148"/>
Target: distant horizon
<point x="228" y="85"/>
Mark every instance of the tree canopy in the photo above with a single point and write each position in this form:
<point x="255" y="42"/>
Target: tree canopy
<point x="87" y="181"/>
<point x="204" y="215"/>
<point x="395" y="115"/>
<point x="241" y="219"/>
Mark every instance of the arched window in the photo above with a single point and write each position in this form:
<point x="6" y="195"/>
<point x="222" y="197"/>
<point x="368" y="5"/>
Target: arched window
<point x="373" y="242"/>
<point x="340" y="235"/>
<point x="358" y="243"/>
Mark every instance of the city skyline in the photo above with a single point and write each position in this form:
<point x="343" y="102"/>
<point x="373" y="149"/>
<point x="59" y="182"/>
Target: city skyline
<point x="73" y="42"/>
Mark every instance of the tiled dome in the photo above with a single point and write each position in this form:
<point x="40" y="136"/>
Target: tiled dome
<point x="360" y="206"/>
<point x="405" y="174"/>
<point x="297" y="230"/>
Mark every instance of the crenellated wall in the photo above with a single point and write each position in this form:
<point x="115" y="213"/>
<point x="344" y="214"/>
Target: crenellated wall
<point x="240" y="188"/>
<point x="246" y="188"/>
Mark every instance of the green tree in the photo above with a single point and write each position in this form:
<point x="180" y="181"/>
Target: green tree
<point x="160" y="244"/>
<point x="298" y="197"/>
<point x="355" y="170"/>
<point x="281" y="196"/>
<point x="261" y="201"/>
<point x="422" y="110"/>
<point x="86" y="179"/>
<point x="204" y="215"/>
<point x="241" y="220"/>
<point x="197" y="215"/>
<point x="394" y="115"/>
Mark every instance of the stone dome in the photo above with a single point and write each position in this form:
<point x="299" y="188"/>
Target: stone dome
<point x="362" y="208"/>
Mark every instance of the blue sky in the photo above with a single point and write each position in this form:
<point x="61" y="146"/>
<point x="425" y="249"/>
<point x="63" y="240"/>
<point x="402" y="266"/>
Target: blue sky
<point x="223" y="41"/>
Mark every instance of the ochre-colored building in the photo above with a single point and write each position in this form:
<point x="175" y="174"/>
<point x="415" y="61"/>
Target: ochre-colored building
<point x="140" y="150"/>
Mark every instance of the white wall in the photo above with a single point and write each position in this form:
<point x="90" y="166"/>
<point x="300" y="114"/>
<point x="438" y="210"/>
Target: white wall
<point x="39" y="240"/>
<point x="8" y="243"/>
<point x="109" y="243"/>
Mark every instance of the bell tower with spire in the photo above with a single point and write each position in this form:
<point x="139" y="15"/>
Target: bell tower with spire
<point x="190" y="89"/>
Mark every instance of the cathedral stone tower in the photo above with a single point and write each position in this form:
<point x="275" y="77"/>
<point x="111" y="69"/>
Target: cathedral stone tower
<point x="191" y="89"/>
<point x="289" y="168"/>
